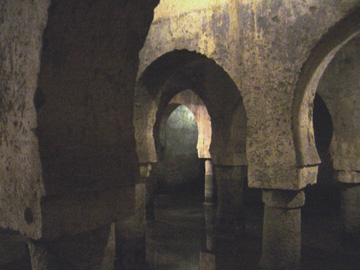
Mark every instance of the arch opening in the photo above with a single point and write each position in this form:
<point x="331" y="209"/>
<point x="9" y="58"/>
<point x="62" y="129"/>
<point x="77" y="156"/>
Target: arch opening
<point x="180" y="70"/>
<point x="187" y="78"/>
<point x="326" y="131"/>
<point x="326" y="109"/>
<point x="313" y="70"/>
<point x="178" y="166"/>
<point x="324" y="194"/>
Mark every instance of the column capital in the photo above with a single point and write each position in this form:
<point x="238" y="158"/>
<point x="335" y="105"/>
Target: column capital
<point x="348" y="177"/>
<point x="145" y="169"/>
<point x="283" y="198"/>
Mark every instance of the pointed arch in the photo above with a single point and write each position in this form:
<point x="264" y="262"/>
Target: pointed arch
<point x="159" y="127"/>
<point x="195" y="104"/>
<point x="345" y="31"/>
<point x="181" y="70"/>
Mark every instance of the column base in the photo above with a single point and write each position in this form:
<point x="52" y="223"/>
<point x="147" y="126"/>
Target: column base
<point x="130" y="241"/>
<point x="149" y="202"/>
<point x="131" y="253"/>
<point x="208" y="204"/>
<point x="350" y="212"/>
<point x="84" y="251"/>
<point x="207" y="261"/>
<point x="229" y="226"/>
<point x="13" y="248"/>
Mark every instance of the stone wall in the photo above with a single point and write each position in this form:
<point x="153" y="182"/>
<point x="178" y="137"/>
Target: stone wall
<point x="267" y="44"/>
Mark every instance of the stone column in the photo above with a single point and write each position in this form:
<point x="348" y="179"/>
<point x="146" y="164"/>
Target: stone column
<point x="350" y="203"/>
<point x="145" y="170"/>
<point x="130" y="243"/>
<point x="84" y="251"/>
<point x="207" y="261"/>
<point x="281" y="244"/>
<point x="210" y="215"/>
<point x="207" y="255"/>
<point x="230" y="217"/>
<point x="12" y="248"/>
<point x="209" y="183"/>
<point x="130" y="235"/>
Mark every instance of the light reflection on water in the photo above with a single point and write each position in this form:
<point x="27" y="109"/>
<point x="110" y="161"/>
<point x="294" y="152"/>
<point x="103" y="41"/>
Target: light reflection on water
<point x="185" y="236"/>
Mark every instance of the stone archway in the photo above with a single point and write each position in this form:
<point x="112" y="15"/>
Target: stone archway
<point x="322" y="194"/>
<point x="178" y="164"/>
<point x="312" y="72"/>
<point x="164" y="82"/>
<point x="332" y="71"/>
<point x="180" y="70"/>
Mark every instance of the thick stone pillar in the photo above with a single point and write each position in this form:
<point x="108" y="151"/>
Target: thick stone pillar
<point x="281" y="245"/>
<point x="130" y="235"/>
<point x="230" y="216"/>
<point x="350" y="210"/>
<point x="350" y="203"/>
<point x="207" y="261"/>
<point x="209" y="183"/>
<point x="13" y="248"/>
<point x="84" y="251"/>
<point x="149" y="200"/>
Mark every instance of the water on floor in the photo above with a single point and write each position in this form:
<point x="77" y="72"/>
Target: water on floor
<point x="180" y="238"/>
<point x="184" y="237"/>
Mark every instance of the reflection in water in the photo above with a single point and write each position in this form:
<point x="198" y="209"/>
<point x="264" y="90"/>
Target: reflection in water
<point x="173" y="239"/>
<point x="210" y="214"/>
<point x="184" y="237"/>
<point x="207" y="255"/>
